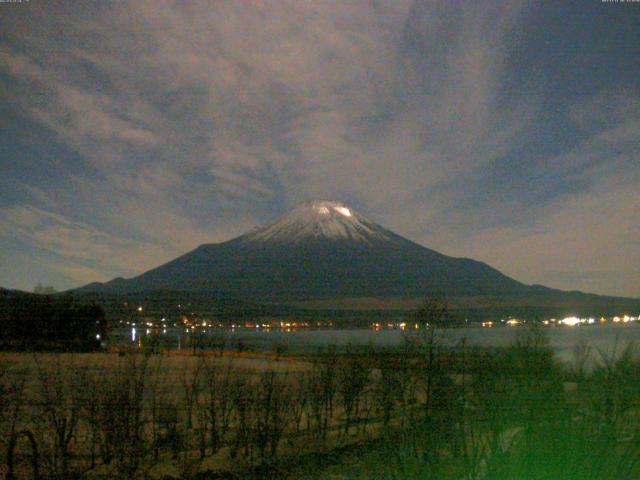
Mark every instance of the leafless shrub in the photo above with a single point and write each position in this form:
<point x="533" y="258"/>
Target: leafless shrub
<point x="11" y="452"/>
<point x="299" y="404"/>
<point x="12" y="413"/>
<point x="121" y="414"/>
<point x="353" y="376"/>
<point x="387" y="390"/>
<point x="242" y="395"/>
<point x="581" y="355"/>
<point x="91" y="383"/>
<point x="60" y="391"/>
<point x="192" y="385"/>
<point x="614" y="386"/>
<point x="408" y="382"/>
<point x="271" y="403"/>
<point x="321" y="390"/>
<point x="168" y="433"/>
<point x="215" y="410"/>
<point x="155" y="395"/>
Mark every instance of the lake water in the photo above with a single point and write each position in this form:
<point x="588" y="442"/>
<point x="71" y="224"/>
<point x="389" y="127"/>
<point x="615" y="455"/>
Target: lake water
<point x="608" y="339"/>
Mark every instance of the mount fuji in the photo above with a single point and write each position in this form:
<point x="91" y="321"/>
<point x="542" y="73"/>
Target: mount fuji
<point x="325" y="250"/>
<point x="321" y="249"/>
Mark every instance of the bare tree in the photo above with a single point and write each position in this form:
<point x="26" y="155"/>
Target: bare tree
<point x="299" y="400"/>
<point x="121" y="414"/>
<point x="217" y="407"/>
<point x="431" y="315"/>
<point x="242" y="394"/>
<point x="191" y="388"/>
<point x="353" y="377"/>
<point x="90" y="408"/>
<point x="11" y="452"/>
<point x="59" y="390"/>
<point x="387" y="390"/>
<point x="12" y="396"/>
<point x="272" y="407"/>
<point x="168" y="433"/>
<point x="321" y="387"/>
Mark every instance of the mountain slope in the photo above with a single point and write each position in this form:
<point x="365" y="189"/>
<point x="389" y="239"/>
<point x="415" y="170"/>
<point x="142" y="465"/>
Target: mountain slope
<point x="320" y="250"/>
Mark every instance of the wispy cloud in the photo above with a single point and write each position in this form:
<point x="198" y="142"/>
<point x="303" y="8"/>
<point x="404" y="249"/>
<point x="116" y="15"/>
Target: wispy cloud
<point x="74" y="241"/>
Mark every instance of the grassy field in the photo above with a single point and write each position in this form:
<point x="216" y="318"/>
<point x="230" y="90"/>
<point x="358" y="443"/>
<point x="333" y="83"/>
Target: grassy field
<point x="416" y="411"/>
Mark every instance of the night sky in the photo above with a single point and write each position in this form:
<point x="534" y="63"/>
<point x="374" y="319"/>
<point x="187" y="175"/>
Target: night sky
<point x="509" y="132"/>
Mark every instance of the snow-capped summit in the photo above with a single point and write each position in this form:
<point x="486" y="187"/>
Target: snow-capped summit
<point x="319" y="219"/>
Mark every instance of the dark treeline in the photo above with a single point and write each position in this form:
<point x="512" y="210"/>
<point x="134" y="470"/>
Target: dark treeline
<point x="218" y="307"/>
<point x="417" y="411"/>
<point x="48" y="322"/>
